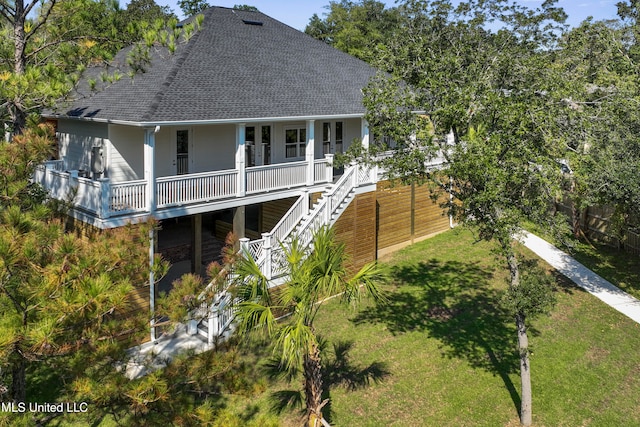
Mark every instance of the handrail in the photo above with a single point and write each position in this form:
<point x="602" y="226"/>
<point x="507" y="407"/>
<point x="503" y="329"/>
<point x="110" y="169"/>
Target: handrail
<point x="290" y="219"/>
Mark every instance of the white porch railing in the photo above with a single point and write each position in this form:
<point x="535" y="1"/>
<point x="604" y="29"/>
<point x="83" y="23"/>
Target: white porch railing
<point x="195" y="188"/>
<point x="276" y="177"/>
<point x="323" y="169"/>
<point x="105" y="199"/>
<point x="88" y="194"/>
<point x="126" y="197"/>
<point x="289" y="221"/>
<point x="217" y="316"/>
<point x="268" y="253"/>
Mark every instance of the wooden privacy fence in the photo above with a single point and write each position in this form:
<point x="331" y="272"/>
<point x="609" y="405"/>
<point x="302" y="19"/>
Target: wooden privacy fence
<point x="596" y="223"/>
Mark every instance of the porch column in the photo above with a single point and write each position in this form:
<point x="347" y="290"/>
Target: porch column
<point x="241" y="136"/>
<point x="365" y="134"/>
<point x="150" y="167"/>
<point x="239" y="222"/>
<point x="196" y="244"/>
<point x="150" y="178"/>
<point x="310" y="150"/>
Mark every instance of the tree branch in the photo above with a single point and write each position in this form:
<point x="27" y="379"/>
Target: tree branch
<point x="43" y="19"/>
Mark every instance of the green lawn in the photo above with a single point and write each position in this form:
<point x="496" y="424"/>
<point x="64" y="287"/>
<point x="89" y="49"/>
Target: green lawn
<point x="441" y="351"/>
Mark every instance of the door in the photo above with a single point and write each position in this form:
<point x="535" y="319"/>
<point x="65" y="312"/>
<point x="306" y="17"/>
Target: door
<point x="182" y="152"/>
<point x="266" y="145"/>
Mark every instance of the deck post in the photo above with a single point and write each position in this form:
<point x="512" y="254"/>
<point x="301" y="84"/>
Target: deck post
<point x="239" y="221"/>
<point x="327" y="209"/>
<point x="105" y="198"/>
<point x="365" y="134"/>
<point x="241" y="136"/>
<point x="310" y="150"/>
<point x="266" y="247"/>
<point x="150" y="177"/>
<point x="196" y="244"/>
<point x="329" y="158"/>
<point x="307" y="202"/>
<point x="244" y="244"/>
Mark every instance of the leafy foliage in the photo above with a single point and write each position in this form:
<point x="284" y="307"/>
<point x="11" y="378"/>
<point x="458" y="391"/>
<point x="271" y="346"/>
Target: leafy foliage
<point x="46" y="50"/>
<point x="64" y="300"/>
<point x="533" y="297"/>
<point x="355" y="27"/>
<point x="312" y="276"/>
<point x="192" y="7"/>
<point x="603" y="122"/>
<point x="493" y="102"/>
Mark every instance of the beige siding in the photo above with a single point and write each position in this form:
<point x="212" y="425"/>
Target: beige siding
<point x="76" y="140"/>
<point x="126" y="153"/>
<point x="165" y="152"/>
<point x="214" y="148"/>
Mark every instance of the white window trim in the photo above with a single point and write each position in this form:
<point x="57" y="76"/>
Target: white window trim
<point x="298" y="155"/>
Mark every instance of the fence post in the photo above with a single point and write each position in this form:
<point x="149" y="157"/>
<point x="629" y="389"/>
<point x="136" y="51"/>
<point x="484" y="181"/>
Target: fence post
<point x="212" y="324"/>
<point x="73" y="177"/>
<point x="105" y="198"/>
<point x="356" y="170"/>
<point x="267" y="249"/>
<point x="244" y="244"/>
<point x="328" y="209"/>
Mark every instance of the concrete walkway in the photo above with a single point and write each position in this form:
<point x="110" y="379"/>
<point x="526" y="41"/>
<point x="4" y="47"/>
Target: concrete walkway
<point x="583" y="277"/>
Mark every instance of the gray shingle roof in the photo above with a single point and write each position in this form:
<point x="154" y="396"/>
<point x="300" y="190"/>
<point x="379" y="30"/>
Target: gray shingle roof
<point x="233" y="70"/>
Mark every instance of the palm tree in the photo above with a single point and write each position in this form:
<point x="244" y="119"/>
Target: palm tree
<point x="312" y="276"/>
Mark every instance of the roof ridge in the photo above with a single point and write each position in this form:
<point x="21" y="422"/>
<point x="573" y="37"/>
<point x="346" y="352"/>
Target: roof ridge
<point x="171" y="75"/>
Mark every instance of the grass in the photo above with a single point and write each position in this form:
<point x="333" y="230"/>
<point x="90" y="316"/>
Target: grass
<point x="443" y="350"/>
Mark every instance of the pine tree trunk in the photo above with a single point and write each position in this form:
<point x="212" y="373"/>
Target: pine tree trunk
<point x="313" y="387"/>
<point x="525" y="371"/>
<point x="16" y="108"/>
<point x="19" y="380"/>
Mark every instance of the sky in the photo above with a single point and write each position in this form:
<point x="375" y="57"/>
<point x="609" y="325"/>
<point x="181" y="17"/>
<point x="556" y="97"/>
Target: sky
<point x="296" y="13"/>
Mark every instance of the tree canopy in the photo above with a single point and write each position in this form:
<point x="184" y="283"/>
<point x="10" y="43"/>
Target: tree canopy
<point x="489" y="102"/>
<point x="355" y="27"/>
<point x="46" y="46"/>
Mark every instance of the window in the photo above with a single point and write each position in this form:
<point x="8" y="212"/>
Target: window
<point x="295" y="141"/>
<point x="326" y="138"/>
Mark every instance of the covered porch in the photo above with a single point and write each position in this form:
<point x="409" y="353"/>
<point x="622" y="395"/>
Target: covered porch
<point x="139" y="171"/>
<point x="179" y="195"/>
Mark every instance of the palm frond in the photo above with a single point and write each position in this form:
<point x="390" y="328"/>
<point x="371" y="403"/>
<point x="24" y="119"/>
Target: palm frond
<point x="250" y="283"/>
<point x="252" y="315"/>
<point x="366" y="281"/>
<point x="295" y="341"/>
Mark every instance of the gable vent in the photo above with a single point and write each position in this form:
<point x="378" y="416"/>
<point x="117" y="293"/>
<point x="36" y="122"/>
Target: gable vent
<point x="251" y="22"/>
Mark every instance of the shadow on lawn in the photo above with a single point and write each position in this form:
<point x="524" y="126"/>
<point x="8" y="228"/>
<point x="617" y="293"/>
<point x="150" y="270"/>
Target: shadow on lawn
<point x="337" y="371"/>
<point x="454" y="303"/>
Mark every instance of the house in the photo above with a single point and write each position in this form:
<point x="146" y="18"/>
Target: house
<point x="235" y="130"/>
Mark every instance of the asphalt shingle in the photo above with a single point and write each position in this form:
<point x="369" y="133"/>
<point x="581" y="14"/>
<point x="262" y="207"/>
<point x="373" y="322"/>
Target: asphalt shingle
<point x="233" y="70"/>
